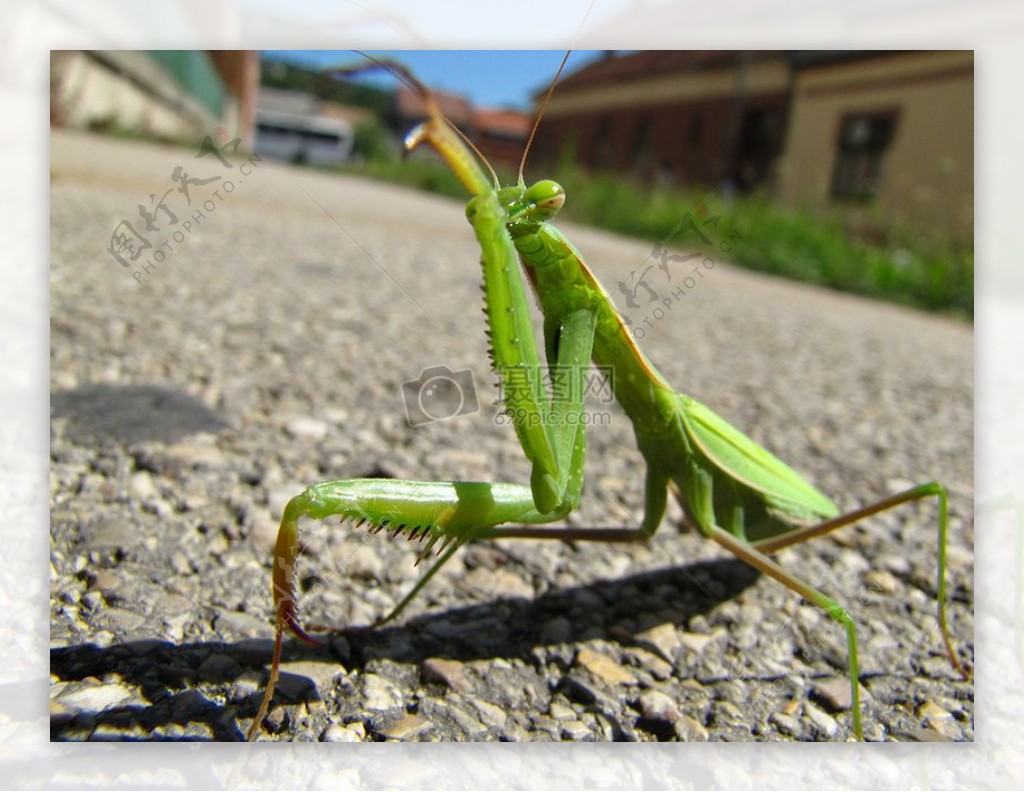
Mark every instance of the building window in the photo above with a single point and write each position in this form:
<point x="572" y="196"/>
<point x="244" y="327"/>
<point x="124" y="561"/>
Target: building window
<point x="603" y="144"/>
<point x="863" y="140"/>
<point x="757" y="132"/>
<point x="696" y="131"/>
<point x="642" y="144"/>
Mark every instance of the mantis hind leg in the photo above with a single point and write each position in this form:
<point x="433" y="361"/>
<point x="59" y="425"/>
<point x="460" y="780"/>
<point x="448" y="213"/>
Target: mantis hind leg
<point x="755" y="554"/>
<point x="931" y="489"/>
<point x="835" y="611"/>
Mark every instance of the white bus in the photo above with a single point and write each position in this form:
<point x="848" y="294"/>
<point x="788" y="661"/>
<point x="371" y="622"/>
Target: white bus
<point x="303" y="139"/>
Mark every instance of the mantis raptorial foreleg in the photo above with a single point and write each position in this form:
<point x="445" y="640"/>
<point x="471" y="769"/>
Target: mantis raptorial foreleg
<point x="449" y="514"/>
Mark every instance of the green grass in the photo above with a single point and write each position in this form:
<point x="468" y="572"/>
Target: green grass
<point x="896" y="264"/>
<point x="418" y="172"/>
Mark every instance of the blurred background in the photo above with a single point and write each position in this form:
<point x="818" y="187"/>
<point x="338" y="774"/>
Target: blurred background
<point x="851" y="169"/>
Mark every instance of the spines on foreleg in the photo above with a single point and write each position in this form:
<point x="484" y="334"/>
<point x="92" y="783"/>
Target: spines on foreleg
<point x="440" y="515"/>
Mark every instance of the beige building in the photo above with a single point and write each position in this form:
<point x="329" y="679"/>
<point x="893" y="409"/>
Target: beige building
<point x="174" y="94"/>
<point x="883" y="136"/>
<point x="889" y="134"/>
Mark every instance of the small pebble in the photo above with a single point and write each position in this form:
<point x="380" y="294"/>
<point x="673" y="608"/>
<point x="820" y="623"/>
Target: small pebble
<point x="787" y="723"/>
<point x="939" y="719"/>
<point x="218" y="668"/>
<point x="405" y="727"/>
<point x="323" y="673"/>
<point x="882" y="581"/>
<point x="305" y="428"/>
<point x="450" y="672"/>
<point x="650" y="662"/>
<point x="92" y="600"/>
<point x="140" y="486"/>
<point x="338" y="733"/>
<point x="697" y="642"/>
<point x="834" y="694"/>
<point x="379" y="694"/>
<point x="604" y="668"/>
<point x="90" y="697"/>
<point x="441" y="711"/>
<point x="689" y="730"/>
<point x="576" y="731"/>
<point x="658" y="706"/>
<point x="663" y="640"/>
<point x="491" y="714"/>
<point x="822" y="720"/>
<point x="180" y="564"/>
<point x="277" y="720"/>
<point x="560" y="711"/>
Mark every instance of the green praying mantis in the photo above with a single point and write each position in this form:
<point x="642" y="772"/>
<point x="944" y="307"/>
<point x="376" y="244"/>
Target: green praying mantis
<point x="730" y="489"/>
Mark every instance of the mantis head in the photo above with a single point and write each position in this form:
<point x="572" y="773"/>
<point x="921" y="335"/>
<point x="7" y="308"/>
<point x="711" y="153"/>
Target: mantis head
<point x="534" y="204"/>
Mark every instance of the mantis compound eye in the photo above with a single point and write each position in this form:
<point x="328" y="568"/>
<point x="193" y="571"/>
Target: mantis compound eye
<point x="546" y="197"/>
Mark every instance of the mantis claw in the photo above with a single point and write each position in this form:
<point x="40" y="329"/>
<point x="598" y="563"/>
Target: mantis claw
<point x="288" y="617"/>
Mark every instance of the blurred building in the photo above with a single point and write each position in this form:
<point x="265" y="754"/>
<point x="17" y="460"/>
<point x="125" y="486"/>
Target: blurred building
<point x="889" y="133"/>
<point x="411" y="109"/>
<point x="882" y="134"/>
<point x="672" y="117"/>
<point x="172" y="94"/>
<point x="499" y="134"/>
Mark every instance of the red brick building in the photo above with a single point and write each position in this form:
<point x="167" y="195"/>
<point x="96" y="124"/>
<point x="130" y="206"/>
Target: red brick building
<point x="499" y="134"/>
<point x="690" y="117"/>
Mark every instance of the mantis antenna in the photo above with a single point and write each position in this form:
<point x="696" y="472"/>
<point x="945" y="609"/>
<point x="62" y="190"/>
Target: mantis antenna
<point x="540" y="113"/>
<point x="403" y="75"/>
<point x="551" y="89"/>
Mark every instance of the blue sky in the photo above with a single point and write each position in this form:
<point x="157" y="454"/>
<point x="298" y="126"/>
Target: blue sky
<point x="490" y="78"/>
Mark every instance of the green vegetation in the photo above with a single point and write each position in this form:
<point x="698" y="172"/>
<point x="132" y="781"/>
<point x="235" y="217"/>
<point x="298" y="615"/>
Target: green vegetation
<point x="422" y="172"/>
<point x="373" y="142"/>
<point x="895" y="264"/>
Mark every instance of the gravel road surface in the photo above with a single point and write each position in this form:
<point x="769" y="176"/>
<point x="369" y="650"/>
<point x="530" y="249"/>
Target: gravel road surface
<point x="266" y="349"/>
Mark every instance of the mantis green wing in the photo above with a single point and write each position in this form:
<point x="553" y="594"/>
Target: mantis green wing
<point x="783" y="489"/>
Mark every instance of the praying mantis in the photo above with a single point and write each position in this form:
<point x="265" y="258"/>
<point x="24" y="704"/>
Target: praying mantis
<point x="730" y="490"/>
